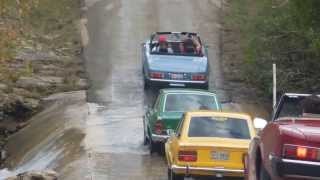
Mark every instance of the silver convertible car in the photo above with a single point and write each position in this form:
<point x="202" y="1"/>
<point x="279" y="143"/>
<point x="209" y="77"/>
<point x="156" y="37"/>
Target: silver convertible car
<point x="175" y="59"/>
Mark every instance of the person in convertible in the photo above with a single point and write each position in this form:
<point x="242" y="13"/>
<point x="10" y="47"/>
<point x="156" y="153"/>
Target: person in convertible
<point x="190" y="45"/>
<point x="163" y="46"/>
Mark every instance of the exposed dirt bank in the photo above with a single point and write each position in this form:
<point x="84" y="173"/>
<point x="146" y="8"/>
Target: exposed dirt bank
<point x="40" y="54"/>
<point x="244" y="96"/>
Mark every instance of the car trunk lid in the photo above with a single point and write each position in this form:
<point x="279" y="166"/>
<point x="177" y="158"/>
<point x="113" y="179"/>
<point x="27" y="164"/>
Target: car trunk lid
<point x="217" y="152"/>
<point x="309" y="127"/>
<point x="178" y="64"/>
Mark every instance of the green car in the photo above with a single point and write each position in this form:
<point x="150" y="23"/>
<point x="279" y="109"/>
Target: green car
<point x="164" y="116"/>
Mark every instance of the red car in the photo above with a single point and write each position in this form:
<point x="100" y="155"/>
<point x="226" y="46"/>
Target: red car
<point x="288" y="147"/>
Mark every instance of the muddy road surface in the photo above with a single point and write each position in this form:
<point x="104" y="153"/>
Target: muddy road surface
<point x="116" y="30"/>
<point x="105" y="139"/>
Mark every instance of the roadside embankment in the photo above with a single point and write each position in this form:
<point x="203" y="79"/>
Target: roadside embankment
<point x="53" y="139"/>
<point x="261" y="33"/>
<point x="244" y="96"/>
<point x="40" y="54"/>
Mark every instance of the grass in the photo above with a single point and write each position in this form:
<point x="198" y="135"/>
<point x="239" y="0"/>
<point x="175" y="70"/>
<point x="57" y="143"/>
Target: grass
<point x="41" y="25"/>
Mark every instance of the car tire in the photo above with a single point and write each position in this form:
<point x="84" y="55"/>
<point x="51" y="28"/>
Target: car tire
<point x="146" y="84"/>
<point x="154" y="147"/>
<point x="145" y="138"/>
<point x="263" y="173"/>
<point x="205" y="86"/>
<point x="174" y="176"/>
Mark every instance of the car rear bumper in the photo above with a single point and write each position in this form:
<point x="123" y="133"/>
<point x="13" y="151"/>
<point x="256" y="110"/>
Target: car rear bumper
<point x="295" y="168"/>
<point x="159" y="138"/>
<point x="177" y="83"/>
<point x="216" y="171"/>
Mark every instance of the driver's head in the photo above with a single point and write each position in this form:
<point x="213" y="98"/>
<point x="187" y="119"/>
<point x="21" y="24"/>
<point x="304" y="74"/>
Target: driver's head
<point x="163" y="45"/>
<point x="311" y="105"/>
<point x="162" y="39"/>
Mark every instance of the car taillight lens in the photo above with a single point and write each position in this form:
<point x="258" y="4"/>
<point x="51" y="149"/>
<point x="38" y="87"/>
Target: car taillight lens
<point x="157" y="75"/>
<point x="158" y="127"/>
<point x="301" y="152"/>
<point x="198" y="77"/>
<point x="188" y="156"/>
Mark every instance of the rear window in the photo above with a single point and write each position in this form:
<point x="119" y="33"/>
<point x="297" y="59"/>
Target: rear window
<point x="189" y="102"/>
<point x="223" y="127"/>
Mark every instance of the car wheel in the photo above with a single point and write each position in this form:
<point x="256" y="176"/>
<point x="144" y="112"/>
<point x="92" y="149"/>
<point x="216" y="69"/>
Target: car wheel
<point x="263" y="173"/>
<point x="174" y="176"/>
<point x="145" y="138"/>
<point x="153" y="146"/>
<point x="146" y="84"/>
<point x="205" y="86"/>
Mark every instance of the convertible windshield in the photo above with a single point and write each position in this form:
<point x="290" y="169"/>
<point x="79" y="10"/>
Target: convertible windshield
<point x="176" y="44"/>
<point x="291" y="107"/>
<point x="223" y="127"/>
<point x="189" y="102"/>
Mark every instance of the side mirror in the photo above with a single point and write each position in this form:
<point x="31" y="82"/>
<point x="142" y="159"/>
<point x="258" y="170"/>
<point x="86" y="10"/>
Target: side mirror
<point x="259" y="123"/>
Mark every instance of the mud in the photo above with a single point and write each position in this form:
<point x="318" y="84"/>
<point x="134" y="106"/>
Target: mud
<point x="102" y="139"/>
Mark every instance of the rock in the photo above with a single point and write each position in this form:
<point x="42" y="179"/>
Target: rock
<point x="82" y="84"/>
<point x="49" y="67"/>
<point x="39" y="82"/>
<point x="31" y="83"/>
<point x="31" y="103"/>
<point x="34" y="55"/>
<point x="1" y="114"/>
<point x="52" y="79"/>
<point x="3" y="87"/>
<point x="22" y="92"/>
<point x="16" y="106"/>
<point x="36" y="175"/>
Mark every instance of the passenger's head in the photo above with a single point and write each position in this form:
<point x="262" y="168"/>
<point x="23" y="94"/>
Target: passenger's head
<point x="311" y="104"/>
<point x="163" y="44"/>
<point x="189" y="46"/>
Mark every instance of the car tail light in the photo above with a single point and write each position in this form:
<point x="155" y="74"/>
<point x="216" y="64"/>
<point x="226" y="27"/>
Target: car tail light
<point x="158" y="127"/>
<point x="188" y="156"/>
<point x="157" y="75"/>
<point x="301" y="152"/>
<point x="198" y="77"/>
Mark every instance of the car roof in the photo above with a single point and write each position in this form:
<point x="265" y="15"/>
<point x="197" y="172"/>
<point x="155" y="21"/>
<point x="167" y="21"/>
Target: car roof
<point x="184" y="90"/>
<point x="217" y="113"/>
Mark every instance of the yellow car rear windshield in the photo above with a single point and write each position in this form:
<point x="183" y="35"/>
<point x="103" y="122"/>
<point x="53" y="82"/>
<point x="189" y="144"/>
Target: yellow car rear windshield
<point x="224" y="127"/>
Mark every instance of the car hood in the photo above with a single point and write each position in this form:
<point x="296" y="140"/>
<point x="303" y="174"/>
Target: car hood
<point x="171" y="63"/>
<point x="307" y="129"/>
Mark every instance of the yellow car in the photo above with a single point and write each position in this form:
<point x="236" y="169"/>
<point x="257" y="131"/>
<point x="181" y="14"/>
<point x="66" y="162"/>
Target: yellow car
<point x="208" y="143"/>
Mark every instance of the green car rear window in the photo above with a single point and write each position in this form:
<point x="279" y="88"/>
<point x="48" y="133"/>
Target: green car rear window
<point x="223" y="127"/>
<point x="189" y="102"/>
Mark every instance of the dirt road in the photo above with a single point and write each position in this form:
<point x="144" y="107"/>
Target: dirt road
<point x="102" y="139"/>
<point x="115" y="31"/>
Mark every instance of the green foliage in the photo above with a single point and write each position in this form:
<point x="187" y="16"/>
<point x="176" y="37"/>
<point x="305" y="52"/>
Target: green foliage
<point x="46" y="25"/>
<point x="282" y="31"/>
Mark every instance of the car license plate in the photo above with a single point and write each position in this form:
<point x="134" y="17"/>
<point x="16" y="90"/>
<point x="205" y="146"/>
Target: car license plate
<point x="219" y="155"/>
<point x="176" y="76"/>
<point x="177" y="85"/>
